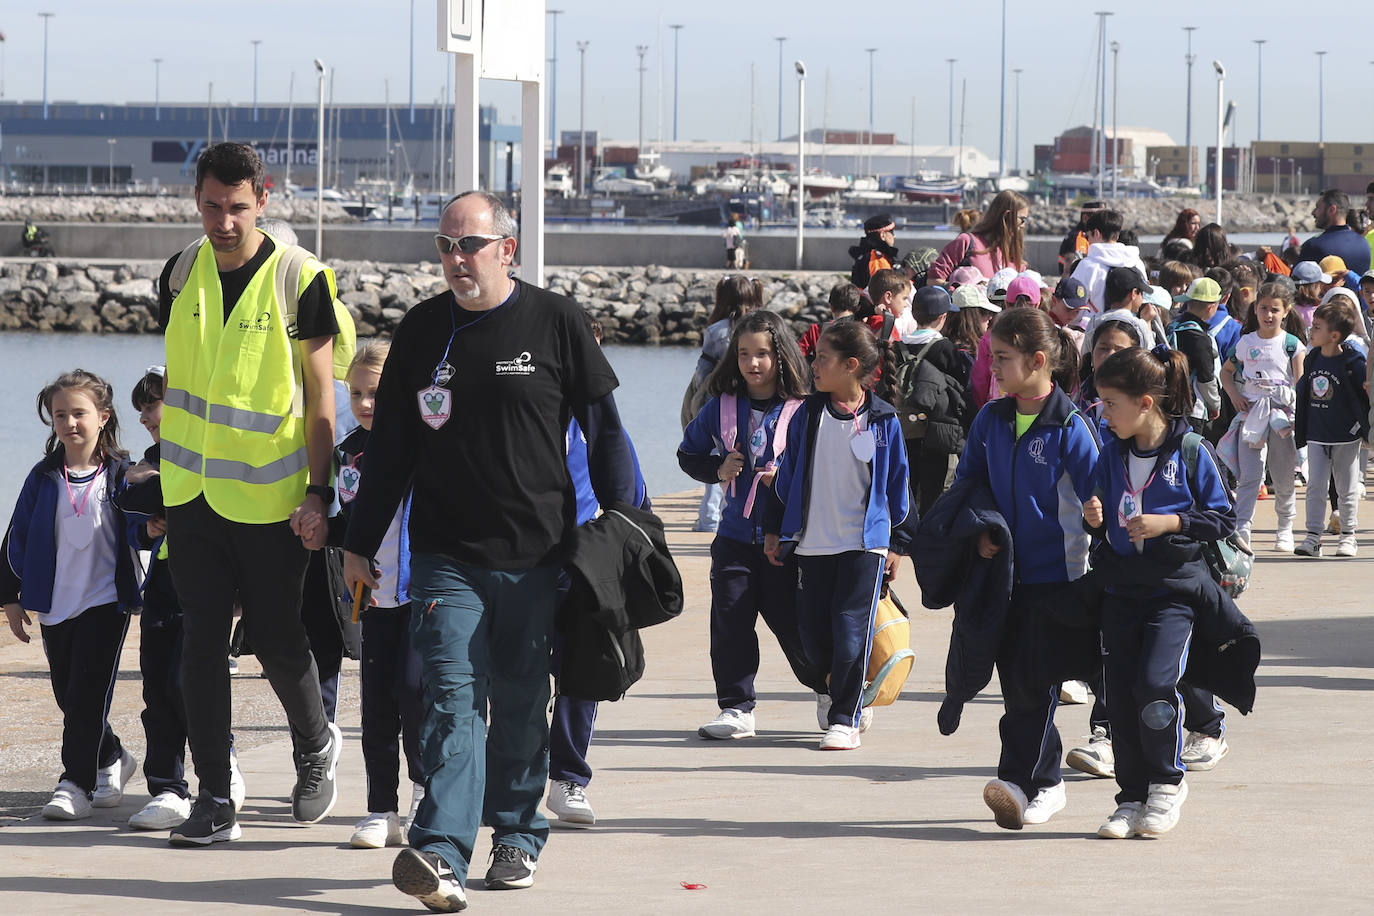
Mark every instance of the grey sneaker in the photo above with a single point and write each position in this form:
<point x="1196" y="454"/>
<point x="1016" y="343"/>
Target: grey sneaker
<point x="428" y="878"/>
<point x="1096" y="758"/>
<point x="729" y="723"/>
<point x="210" y="822"/>
<point x="316" y="790"/>
<point x="511" y="868"/>
<point x="1310" y="547"/>
<point x="568" y="801"/>
<point x="1202" y="752"/>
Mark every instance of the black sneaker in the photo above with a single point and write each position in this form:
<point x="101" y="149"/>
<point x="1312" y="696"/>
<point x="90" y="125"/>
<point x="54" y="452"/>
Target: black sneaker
<point x="316" y="790"/>
<point x="427" y="877"/>
<point x="511" y="869"/>
<point x="210" y="822"/>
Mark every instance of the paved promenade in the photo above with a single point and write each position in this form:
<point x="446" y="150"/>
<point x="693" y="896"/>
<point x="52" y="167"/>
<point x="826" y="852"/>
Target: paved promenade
<point x="771" y="824"/>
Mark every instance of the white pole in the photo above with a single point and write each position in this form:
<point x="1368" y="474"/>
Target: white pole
<point x="1221" y="113"/>
<point x="290" y="114"/>
<point x="801" y="158"/>
<point x="319" y="164"/>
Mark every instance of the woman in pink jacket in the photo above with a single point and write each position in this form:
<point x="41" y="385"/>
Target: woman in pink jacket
<point x="996" y="241"/>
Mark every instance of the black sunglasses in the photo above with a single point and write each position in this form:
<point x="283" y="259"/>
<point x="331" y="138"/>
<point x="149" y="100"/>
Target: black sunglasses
<point x="468" y="244"/>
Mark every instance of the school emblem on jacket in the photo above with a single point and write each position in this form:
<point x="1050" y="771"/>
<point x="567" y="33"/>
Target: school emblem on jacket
<point x="1037" y="450"/>
<point x="1321" y="388"/>
<point x="1170" y="472"/>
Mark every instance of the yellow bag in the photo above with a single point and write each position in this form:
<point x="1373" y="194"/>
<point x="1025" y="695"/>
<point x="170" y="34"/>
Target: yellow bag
<point x="891" y="659"/>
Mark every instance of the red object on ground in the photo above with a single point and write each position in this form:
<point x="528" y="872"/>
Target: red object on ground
<point x="689" y="886"/>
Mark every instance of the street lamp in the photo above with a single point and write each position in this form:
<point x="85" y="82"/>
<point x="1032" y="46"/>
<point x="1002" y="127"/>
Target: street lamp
<point x="157" y="89"/>
<point x="582" y="119"/>
<point x="870" y="52"/>
<point x="1259" y="87"/>
<point x="801" y="157"/>
<point x="255" y="42"/>
<point x="1002" y="102"/>
<point x="1102" y="81"/>
<point x="553" y="84"/>
<point x="46" y="17"/>
<point x="1188" y="129"/>
<point x="1017" y="154"/>
<point x="951" y="61"/>
<point x="111" y="141"/>
<point x="1221" y="112"/>
<point x="677" y="30"/>
<point x="780" y="39"/>
<point x="1321" y="98"/>
<point x="641" y="50"/>
<point x="1116" y="142"/>
<point x="319" y="164"/>
<point x="1292" y="176"/>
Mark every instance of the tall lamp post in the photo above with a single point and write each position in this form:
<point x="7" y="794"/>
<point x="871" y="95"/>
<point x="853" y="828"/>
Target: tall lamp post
<point x="255" y="42"/>
<point x="780" y="40"/>
<point x="1017" y="154"/>
<point x="1002" y="102"/>
<point x="111" y="141"/>
<point x="641" y="50"/>
<point x="157" y="89"/>
<point x="319" y="164"/>
<point x="870" y="52"/>
<point x="1188" y="124"/>
<point x="801" y="157"/>
<point x="553" y="84"/>
<point x="1259" y="87"/>
<point x="582" y="119"/>
<point x="951" y="61"/>
<point x="1221" y="113"/>
<point x="1321" y="99"/>
<point x="677" y="30"/>
<point x="1116" y="143"/>
<point x="1102" y="112"/>
<point x="45" y="17"/>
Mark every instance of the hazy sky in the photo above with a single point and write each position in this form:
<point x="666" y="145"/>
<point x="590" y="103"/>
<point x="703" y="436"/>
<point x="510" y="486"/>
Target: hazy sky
<point x="102" y="52"/>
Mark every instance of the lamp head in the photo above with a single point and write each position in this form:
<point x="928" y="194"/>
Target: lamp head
<point x="319" y="65"/>
<point x="801" y="69"/>
<point x="1221" y="71"/>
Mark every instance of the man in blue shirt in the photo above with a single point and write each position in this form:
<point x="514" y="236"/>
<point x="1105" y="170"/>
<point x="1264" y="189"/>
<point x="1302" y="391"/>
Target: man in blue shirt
<point x="1337" y="238"/>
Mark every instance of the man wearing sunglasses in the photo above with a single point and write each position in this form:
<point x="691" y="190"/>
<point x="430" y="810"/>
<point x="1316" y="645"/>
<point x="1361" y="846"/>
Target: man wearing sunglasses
<point x="472" y="409"/>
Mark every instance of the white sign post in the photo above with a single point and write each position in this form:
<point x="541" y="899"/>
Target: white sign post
<point x="500" y="40"/>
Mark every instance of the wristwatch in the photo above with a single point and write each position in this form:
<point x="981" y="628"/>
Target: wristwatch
<point x="320" y="490"/>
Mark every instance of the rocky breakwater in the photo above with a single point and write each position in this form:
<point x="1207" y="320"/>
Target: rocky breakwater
<point x="635" y="305"/>
<point x="149" y="209"/>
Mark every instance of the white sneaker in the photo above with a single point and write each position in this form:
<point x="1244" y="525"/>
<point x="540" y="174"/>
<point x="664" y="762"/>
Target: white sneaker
<point x="238" y="790"/>
<point x="865" y="719"/>
<point x="110" y="781"/>
<point x="164" y="812"/>
<point x="1202" y="752"/>
<point x="1047" y="803"/>
<point x="1074" y="693"/>
<point x="1162" y="809"/>
<point x="1096" y="758"/>
<point x="1347" y="547"/>
<point x="730" y="723"/>
<point x="823" y="711"/>
<point x="378" y="830"/>
<point x="1283" y="542"/>
<point x="1121" y="824"/>
<point x="569" y="802"/>
<point x="69" y="803"/>
<point x="1008" y="803"/>
<point x="840" y="738"/>
<point x="417" y="795"/>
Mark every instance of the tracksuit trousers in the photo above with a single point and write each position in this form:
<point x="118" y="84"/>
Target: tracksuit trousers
<point x="1031" y="747"/>
<point x="389" y="703"/>
<point x="164" y="709"/>
<point x="1146" y="640"/>
<point x="1339" y="463"/>
<point x="837" y="597"/>
<point x="83" y="659"/>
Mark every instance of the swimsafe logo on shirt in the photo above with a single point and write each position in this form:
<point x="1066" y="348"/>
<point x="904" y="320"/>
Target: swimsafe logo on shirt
<point x="521" y="365"/>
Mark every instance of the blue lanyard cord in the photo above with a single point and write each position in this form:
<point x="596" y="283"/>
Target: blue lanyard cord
<point x="453" y="315"/>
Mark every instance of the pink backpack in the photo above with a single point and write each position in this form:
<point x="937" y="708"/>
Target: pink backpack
<point x="729" y="433"/>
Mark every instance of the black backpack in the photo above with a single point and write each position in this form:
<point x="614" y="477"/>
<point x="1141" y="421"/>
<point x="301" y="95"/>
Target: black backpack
<point x="931" y="404"/>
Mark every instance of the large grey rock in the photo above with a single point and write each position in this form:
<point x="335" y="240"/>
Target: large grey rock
<point x="140" y="290"/>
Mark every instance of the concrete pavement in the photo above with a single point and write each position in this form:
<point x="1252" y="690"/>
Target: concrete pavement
<point x="1280" y="825"/>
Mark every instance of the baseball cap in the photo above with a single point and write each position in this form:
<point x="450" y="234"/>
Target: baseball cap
<point x="1332" y="263"/>
<point x="1341" y="291"/>
<point x="997" y="286"/>
<point x="1368" y="275"/>
<point x="1072" y="293"/>
<point x="1023" y="286"/>
<point x="1309" y="272"/>
<point x="973" y="296"/>
<point x="1204" y="289"/>
<point x="931" y="301"/>
<point x="1037" y="277"/>
<point x="1159" y="296"/>
<point x="967" y="276"/>
<point x="1120" y="282"/>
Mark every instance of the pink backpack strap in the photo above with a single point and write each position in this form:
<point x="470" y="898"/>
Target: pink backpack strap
<point x="729" y="426"/>
<point x="789" y="409"/>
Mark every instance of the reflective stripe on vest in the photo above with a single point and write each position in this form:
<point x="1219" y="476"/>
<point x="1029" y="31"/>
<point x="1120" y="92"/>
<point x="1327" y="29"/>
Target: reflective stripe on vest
<point x="232" y="428"/>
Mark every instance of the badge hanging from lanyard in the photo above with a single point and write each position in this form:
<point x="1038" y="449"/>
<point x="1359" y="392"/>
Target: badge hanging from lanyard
<point x="78" y="530"/>
<point x="1132" y="501"/>
<point x="349" y="478"/>
<point x="436" y="401"/>
<point x="861" y="441"/>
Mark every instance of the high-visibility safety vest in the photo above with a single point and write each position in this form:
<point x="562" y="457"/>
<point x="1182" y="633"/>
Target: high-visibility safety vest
<point x="233" y="424"/>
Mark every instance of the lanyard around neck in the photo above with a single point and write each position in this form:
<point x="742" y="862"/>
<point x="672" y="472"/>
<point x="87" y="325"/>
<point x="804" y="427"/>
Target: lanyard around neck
<point x="71" y="497"/>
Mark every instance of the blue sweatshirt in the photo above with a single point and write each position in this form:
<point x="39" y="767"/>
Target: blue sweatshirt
<point x="887" y="522"/>
<point x="1039" y="481"/>
<point x="581" y="474"/>
<point x="701" y="453"/>
<point x="1200" y="500"/>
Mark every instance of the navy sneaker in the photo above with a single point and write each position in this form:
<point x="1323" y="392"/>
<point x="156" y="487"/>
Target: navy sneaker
<point x="511" y="868"/>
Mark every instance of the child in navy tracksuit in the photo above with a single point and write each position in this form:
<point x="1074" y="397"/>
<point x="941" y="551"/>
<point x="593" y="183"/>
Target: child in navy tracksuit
<point x="755" y="393"/>
<point x="389" y="698"/>
<point x="1159" y="492"/>
<point x="67" y="563"/>
<point x="840" y="500"/>
<point x="1038" y="453"/>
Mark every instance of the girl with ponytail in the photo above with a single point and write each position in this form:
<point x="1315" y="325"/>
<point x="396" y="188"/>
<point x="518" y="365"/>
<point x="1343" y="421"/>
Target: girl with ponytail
<point x="1159" y="493"/>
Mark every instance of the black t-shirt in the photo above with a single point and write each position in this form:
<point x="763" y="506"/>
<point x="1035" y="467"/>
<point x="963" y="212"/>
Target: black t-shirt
<point x="491" y="484"/>
<point x="314" y="314"/>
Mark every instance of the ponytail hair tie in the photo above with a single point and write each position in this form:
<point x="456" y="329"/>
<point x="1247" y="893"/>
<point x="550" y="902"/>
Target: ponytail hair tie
<point x="1161" y="352"/>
